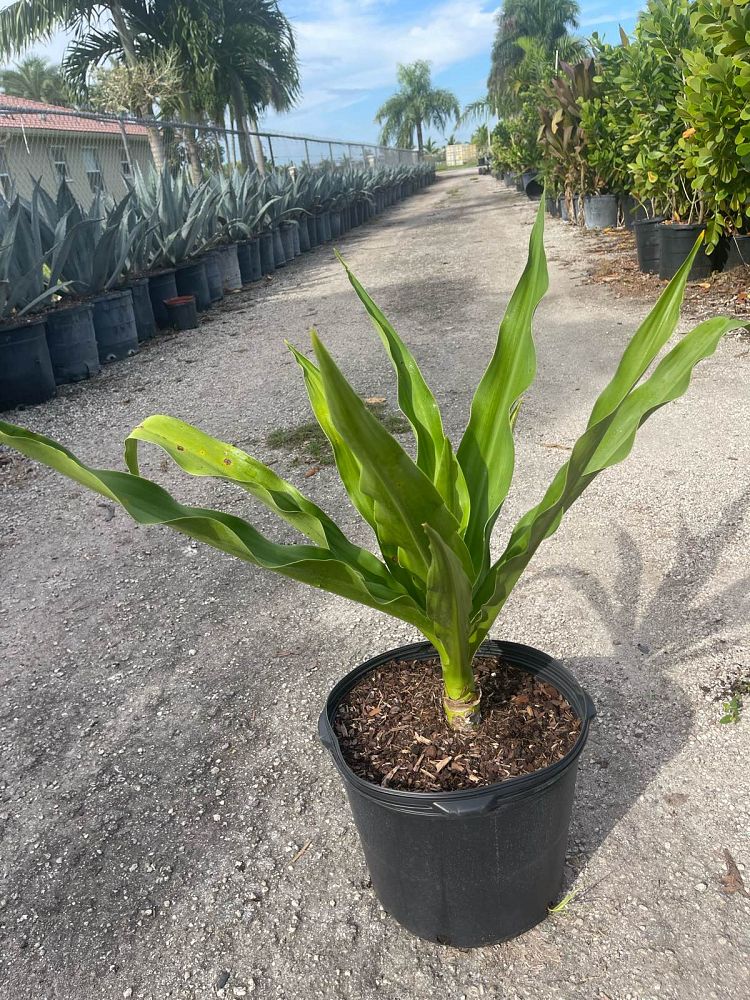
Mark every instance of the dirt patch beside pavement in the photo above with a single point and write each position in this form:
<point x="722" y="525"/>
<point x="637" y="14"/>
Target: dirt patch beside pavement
<point x="169" y="824"/>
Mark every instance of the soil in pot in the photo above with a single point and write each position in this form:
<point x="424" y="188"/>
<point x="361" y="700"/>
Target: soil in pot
<point x="183" y="312"/>
<point x="648" y="244"/>
<point x="676" y="240"/>
<point x="26" y="375"/>
<point x="600" y="211"/>
<point x="143" y="311"/>
<point x="479" y="862"/>
<point x="114" y="325"/>
<point x="391" y="727"/>
<point x="161" y="285"/>
<point x="191" y="279"/>
<point x="72" y="342"/>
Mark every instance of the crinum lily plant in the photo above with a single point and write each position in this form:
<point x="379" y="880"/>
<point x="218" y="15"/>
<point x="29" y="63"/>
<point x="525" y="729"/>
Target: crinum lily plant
<point x="432" y="515"/>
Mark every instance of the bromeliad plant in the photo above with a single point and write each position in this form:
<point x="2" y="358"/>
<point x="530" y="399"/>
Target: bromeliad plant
<point x="433" y="516"/>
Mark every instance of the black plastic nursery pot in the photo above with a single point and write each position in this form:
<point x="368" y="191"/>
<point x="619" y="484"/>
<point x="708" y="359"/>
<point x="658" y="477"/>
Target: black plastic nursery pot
<point x="632" y="212"/>
<point x="295" y="237"/>
<point x="600" y="211"/>
<point x="304" y="236"/>
<point x="72" y="343"/>
<point x="26" y="375"/>
<point x="256" y="272"/>
<point x="287" y="240"/>
<point x="551" y="205"/>
<point x="191" y="279"/>
<point x="320" y="227"/>
<point x="312" y="231"/>
<point x="183" y="312"/>
<point x="143" y="311"/>
<point x="114" y="325"/>
<point x="738" y="254"/>
<point x="267" y="256"/>
<point x="244" y="259"/>
<point x="563" y="209"/>
<point x="213" y="276"/>
<point x="676" y="240"/>
<point x="229" y="268"/>
<point x="279" y="253"/>
<point x="648" y="244"/>
<point x="532" y="184"/>
<point x="161" y="286"/>
<point x="327" y="224"/>
<point x="335" y="224"/>
<point x="474" y="867"/>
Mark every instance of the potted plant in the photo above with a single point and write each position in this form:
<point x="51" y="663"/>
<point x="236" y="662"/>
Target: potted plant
<point x="717" y="140"/>
<point x="29" y="279"/>
<point x="100" y="245"/>
<point x="456" y="853"/>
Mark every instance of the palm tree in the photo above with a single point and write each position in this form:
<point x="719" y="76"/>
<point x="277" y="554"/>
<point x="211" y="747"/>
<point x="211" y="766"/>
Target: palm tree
<point x="255" y="68"/>
<point x="415" y="104"/>
<point x="545" y="26"/>
<point x="236" y="52"/>
<point x="37" y="79"/>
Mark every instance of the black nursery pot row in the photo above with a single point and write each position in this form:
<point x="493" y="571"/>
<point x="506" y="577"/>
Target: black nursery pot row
<point x="661" y="246"/>
<point x="72" y="342"/>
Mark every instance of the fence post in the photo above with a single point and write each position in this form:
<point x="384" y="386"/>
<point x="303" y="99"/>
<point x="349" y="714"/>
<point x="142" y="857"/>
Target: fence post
<point x="330" y="150"/>
<point x="307" y="153"/>
<point x="124" y="135"/>
<point x="270" y="152"/>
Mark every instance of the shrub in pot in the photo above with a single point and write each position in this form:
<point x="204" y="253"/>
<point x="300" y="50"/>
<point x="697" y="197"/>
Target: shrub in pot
<point x="464" y="858"/>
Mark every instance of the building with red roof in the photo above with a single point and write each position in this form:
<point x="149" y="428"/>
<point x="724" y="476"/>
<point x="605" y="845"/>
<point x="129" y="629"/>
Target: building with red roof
<point x="91" y="152"/>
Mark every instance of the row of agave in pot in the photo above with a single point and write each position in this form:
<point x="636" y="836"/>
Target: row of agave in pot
<point x="67" y="271"/>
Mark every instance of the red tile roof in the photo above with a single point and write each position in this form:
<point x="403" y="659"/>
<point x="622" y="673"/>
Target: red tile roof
<point x="37" y="115"/>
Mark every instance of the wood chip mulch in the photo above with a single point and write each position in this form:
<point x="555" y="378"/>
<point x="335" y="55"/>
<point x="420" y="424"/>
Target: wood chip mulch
<point x="613" y="262"/>
<point x="392" y="730"/>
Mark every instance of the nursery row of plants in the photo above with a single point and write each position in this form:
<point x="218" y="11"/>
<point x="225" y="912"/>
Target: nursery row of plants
<point x="654" y="131"/>
<point x="81" y="287"/>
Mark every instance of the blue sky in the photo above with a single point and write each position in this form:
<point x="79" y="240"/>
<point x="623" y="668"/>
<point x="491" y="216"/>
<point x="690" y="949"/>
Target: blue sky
<point x="349" y="50"/>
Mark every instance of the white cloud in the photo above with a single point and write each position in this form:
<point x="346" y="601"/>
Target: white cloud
<point x="349" y="49"/>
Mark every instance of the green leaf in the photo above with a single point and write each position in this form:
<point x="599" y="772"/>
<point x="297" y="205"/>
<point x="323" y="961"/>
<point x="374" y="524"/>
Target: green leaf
<point x="607" y="440"/>
<point x="404" y="499"/>
<point x="435" y="456"/>
<point x="148" y="503"/>
<point x="199" y="454"/>
<point x="486" y="453"/>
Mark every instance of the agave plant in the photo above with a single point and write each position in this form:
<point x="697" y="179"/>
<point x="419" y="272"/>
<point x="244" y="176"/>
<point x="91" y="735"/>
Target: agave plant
<point x="240" y="205"/>
<point x="99" y="243"/>
<point x="180" y="215"/>
<point x="32" y="256"/>
<point x="433" y="516"/>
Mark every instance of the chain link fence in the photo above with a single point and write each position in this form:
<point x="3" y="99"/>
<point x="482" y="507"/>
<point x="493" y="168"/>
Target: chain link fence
<point x="101" y="152"/>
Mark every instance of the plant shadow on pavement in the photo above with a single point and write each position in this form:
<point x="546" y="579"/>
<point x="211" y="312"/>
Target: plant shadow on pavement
<point x="645" y="717"/>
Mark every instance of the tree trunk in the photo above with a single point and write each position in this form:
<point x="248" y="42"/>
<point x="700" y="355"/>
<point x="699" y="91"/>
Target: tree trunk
<point x="420" y="143"/>
<point x="239" y="106"/>
<point x="191" y="145"/>
<point x="128" y="47"/>
<point x="260" y="159"/>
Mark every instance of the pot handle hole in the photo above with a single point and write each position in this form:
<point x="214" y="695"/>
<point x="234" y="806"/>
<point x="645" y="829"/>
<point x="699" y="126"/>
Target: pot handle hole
<point x="467" y="807"/>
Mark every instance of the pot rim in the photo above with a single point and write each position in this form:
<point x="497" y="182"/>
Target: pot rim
<point x="464" y="801"/>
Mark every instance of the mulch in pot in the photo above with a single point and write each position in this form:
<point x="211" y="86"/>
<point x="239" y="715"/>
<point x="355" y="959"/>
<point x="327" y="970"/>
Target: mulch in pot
<point x="392" y="730"/>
